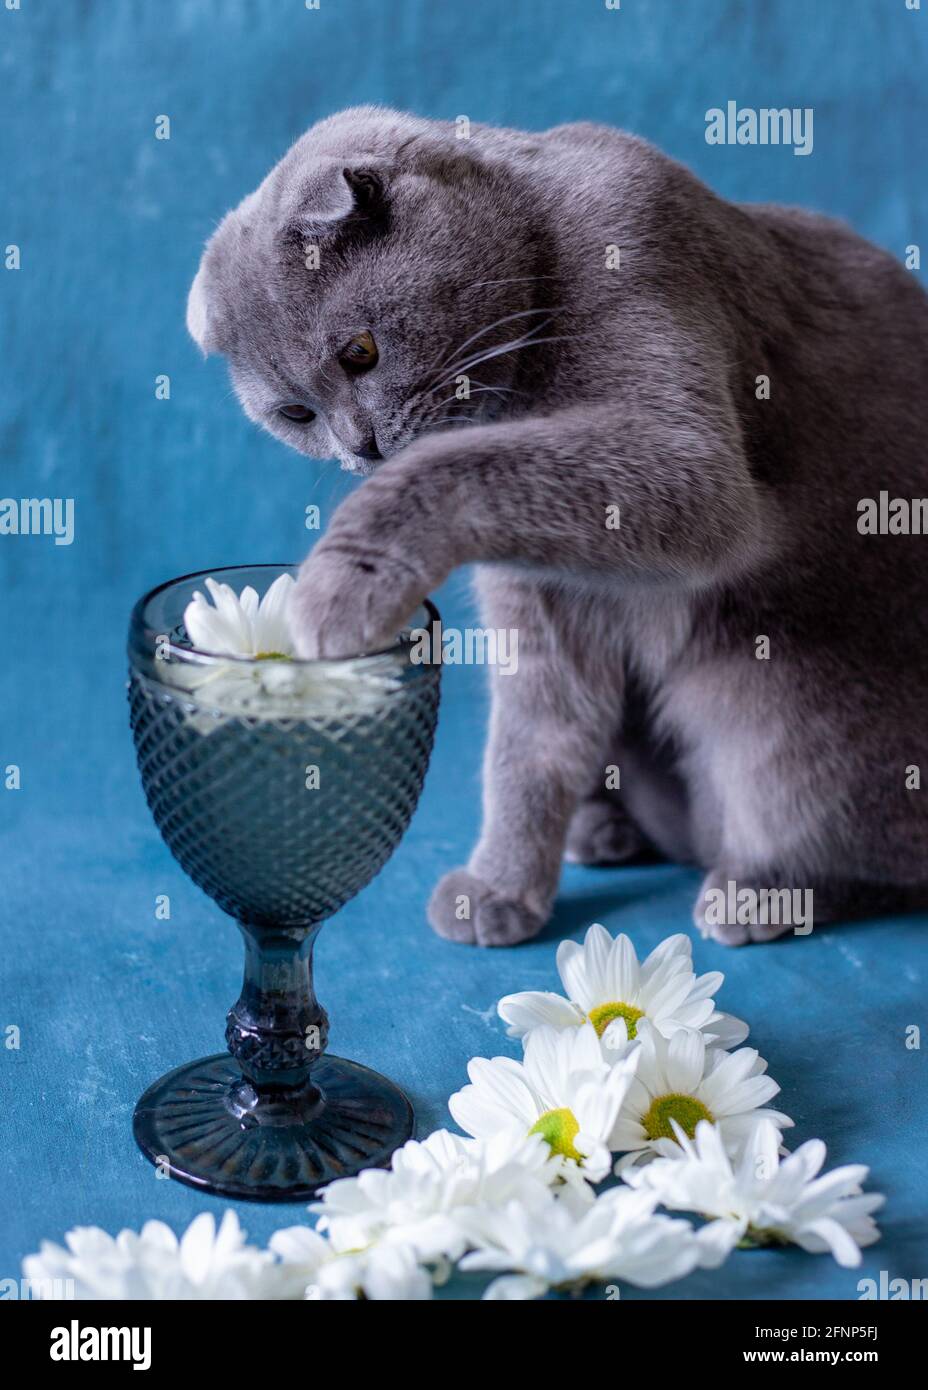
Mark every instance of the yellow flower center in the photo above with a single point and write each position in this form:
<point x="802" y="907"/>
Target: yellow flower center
<point x="755" y="1239"/>
<point x="558" y="1128"/>
<point x="603" y="1014"/>
<point x="271" y="656"/>
<point x="686" y="1110"/>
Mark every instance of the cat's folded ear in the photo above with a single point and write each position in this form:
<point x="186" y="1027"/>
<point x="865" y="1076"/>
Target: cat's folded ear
<point x="332" y="194"/>
<point x="224" y="254"/>
<point x="314" y="201"/>
<point x="198" y="314"/>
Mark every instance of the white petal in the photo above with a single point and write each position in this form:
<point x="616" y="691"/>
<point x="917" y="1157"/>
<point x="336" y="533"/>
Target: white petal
<point x="805" y="1162"/>
<point x="672" y="946"/>
<point x="196" y="1246"/>
<point x="248" y="598"/>
<point x="500" y="1098"/>
<point x="686" y="1055"/>
<point x="523" y="1012"/>
<point x="717" y="1240"/>
<point x="230" y="615"/>
<point x="831" y="1235"/>
<point x="300" y="1245"/>
<point x="725" y="1031"/>
<point x="272" y="626"/>
<point x="707" y="986"/>
<point x="585" y="1052"/>
<point x="760" y="1160"/>
<point x="572" y="968"/>
<point x="204" y="629"/>
<point x="515" y="1286"/>
<point x="623" y="973"/>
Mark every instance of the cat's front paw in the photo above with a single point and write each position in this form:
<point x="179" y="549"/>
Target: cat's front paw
<point x="347" y="602"/>
<point x="728" y="910"/>
<point x="464" y="908"/>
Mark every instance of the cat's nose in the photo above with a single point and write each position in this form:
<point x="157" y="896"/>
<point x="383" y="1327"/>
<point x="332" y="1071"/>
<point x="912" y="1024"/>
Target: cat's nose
<point x="356" y="433"/>
<point x="369" y="450"/>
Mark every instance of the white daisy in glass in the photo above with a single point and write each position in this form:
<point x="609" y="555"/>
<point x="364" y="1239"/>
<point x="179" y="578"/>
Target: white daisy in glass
<point x="252" y="669"/>
<point x="415" y="1202"/>
<point x="562" y="1090"/>
<point x="763" y="1199"/>
<point x="205" y="1263"/>
<point x="311" y="1268"/>
<point x="679" y="1081"/>
<point x="606" y="985"/>
<point x="561" y="1245"/>
<point x="241" y="624"/>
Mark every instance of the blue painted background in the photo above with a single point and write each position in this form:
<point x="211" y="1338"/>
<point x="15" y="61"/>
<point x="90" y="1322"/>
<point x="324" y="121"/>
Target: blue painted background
<point x="110" y="222"/>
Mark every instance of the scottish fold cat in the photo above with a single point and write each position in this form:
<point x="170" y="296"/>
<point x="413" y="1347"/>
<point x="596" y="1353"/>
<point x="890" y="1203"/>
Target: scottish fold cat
<point x="652" y="419"/>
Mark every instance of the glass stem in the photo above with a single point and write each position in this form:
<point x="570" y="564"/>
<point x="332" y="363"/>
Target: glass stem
<point x="277" y="1029"/>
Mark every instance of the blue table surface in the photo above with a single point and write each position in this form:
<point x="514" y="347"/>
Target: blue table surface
<point x="107" y="997"/>
<point x="109" y="222"/>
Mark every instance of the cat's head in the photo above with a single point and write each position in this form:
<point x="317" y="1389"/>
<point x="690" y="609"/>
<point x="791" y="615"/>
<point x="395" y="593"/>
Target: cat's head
<point x="344" y="290"/>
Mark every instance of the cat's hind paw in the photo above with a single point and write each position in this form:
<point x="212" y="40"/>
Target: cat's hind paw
<point x="601" y="833"/>
<point x="465" y="909"/>
<point x="731" y="911"/>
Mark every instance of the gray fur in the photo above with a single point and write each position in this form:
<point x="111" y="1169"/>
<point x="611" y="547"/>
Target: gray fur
<point x="636" y="389"/>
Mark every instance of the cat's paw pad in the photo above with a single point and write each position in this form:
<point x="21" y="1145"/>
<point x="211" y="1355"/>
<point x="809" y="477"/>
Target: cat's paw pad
<point x="602" y="834"/>
<point x="732" y="920"/>
<point x="463" y="908"/>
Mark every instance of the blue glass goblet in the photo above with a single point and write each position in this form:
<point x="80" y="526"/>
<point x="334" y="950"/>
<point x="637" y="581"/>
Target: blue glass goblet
<point x="281" y="787"/>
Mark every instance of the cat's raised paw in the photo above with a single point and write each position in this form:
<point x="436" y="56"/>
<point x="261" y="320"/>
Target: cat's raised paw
<point x="463" y="908"/>
<point x="349" y="601"/>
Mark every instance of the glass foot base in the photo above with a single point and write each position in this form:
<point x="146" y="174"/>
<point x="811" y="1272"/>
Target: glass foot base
<point x="204" y="1125"/>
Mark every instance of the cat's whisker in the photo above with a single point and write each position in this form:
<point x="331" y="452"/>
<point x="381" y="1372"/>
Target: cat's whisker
<point x="463" y="401"/>
<point x="507" y="390"/>
<point x="450" y="367"/>
<point x="507" y="280"/>
<point x="479" y="357"/>
<point x="450" y="420"/>
<point x="498" y="390"/>
<point x="508" y="318"/>
<point x="514" y="347"/>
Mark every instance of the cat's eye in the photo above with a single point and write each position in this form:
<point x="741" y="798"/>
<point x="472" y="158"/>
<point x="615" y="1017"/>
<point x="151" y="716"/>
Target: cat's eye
<point x="360" y="353"/>
<point x="295" y="411"/>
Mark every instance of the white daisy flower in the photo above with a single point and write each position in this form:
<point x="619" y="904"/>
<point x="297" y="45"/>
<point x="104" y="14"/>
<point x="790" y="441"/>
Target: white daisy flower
<point x="310" y="1267"/>
<point x="205" y="1263"/>
<point x="415" y="1202"/>
<point x="562" y="1090"/>
<point x="256" y="673"/>
<point x="681" y="1080"/>
<point x="560" y="1245"/>
<point x="241" y="624"/>
<point x="605" y="984"/>
<point x="762" y="1199"/>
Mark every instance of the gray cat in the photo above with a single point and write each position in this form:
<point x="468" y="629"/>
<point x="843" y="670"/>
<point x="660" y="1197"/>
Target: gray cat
<point x="677" y="409"/>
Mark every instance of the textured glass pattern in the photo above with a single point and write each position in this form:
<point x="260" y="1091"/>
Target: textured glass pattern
<point x="282" y="821"/>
